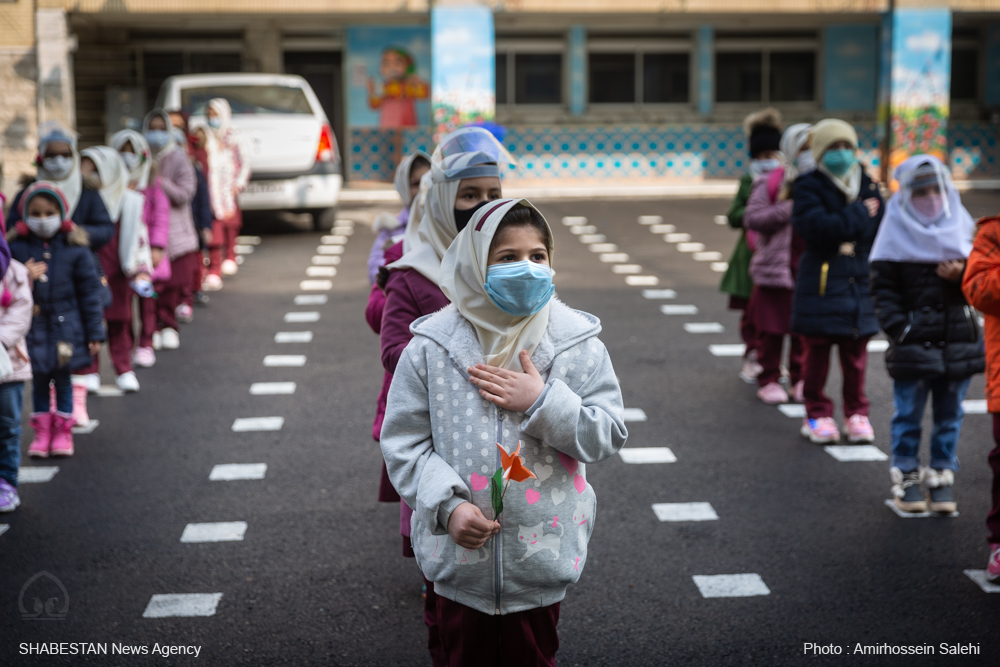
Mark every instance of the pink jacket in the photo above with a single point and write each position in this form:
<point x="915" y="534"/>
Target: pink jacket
<point x="373" y="314"/>
<point x="15" y="320"/>
<point x="156" y="214"/>
<point x="771" y="265"/>
<point x="178" y="180"/>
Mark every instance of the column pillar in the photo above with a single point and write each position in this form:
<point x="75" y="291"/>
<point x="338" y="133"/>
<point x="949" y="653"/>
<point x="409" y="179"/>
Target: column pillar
<point x="577" y="70"/>
<point x="706" y="69"/>
<point x="262" y="48"/>
<point x="54" y="49"/>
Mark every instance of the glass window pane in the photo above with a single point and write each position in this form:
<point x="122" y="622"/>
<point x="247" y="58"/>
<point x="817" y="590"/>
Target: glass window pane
<point x="538" y="78"/>
<point x="665" y="77"/>
<point x="964" y="73"/>
<point x="501" y="73"/>
<point x="737" y="77"/>
<point x="793" y="76"/>
<point x="612" y="78"/>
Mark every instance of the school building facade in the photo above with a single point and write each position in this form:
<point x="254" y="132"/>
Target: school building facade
<point x="590" y="91"/>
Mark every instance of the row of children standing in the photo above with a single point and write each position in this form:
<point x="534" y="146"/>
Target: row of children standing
<point x="98" y="229"/>
<point x="478" y="381"/>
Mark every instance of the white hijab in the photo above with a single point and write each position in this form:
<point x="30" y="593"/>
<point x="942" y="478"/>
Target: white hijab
<point x="139" y="177"/>
<point x="72" y="184"/>
<point x="463" y="271"/>
<point x="402" y="179"/>
<point x="907" y="236"/>
<point x="125" y="207"/>
<point x="171" y="144"/>
<point x="220" y="105"/>
<point x="792" y="141"/>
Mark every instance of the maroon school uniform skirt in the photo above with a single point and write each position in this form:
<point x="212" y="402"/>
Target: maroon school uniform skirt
<point x="772" y="309"/>
<point x="120" y="309"/>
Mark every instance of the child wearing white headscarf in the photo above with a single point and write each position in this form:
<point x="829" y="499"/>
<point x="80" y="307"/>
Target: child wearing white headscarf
<point x="935" y="346"/>
<point x="228" y="174"/>
<point x="388" y="229"/>
<point x="504" y="381"/>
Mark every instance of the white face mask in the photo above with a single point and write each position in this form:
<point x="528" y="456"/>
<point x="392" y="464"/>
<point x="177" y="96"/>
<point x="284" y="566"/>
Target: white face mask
<point x="132" y="160"/>
<point x="45" y="227"/>
<point x="805" y="162"/>
<point x="58" y="166"/>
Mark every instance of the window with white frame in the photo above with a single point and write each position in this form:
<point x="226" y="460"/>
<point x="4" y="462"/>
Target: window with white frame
<point x="529" y="70"/>
<point x="765" y="68"/>
<point x="654" y="70"/>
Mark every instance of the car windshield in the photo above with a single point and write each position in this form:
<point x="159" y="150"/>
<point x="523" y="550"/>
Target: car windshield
<point x="248" y="99"/>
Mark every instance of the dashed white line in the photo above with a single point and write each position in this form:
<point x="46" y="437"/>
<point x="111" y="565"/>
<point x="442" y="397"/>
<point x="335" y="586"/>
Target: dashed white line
<point x="720" y="267"/>
<point x="721" y="220"/>
<point x="641" y="281"/>
<point x="650" y="219"/>
<point x="244" y="424"/>
<point x="659" y="294"/>
<point x="686" y="309"/>
<point x="974" y="407"/>
<point x="248" y="240"/>
<point x="326" y="260"/>
<point x="315" y="285"/>
<point x="685" y="512"/>
<point x="708" y="256"/>
<point x="663" y="229"/>
<point x="634" y="414"/>
<point x="310" y="299"/>
<point x="848" y="453"/>
<point x="89" y="428"/>
<point x="4" y="527"/>
<point x="230" y="472"/>
<point x="613" y="257"/>
<point x="36" y="474"/>
<point x="109" y="391"/>
<point x="728" y="350"/>
<point x="639" y="455"/>
<point x="272" y="388"/>
<point x="603" y="247"/>
<point x="342" y="231"/>
<point x="677" y="238"/>
<point x="979" y="576"/>
<point x="626" y="268"/>
<point x="878" y="345"/>
<point x="330" y="250"/>
<point x="583" y="229"/>
<point x="187" y="604"/>
<point x="574" y="220"/>
<point x="293" y="337"/>
<point x="593" y="238"/>
<point x="243" y="249"/>
<point x="703" y="327"/>
<point x="285" y="360"/>
<point x="794" y="410"/>
<point x="224" y="531"/>
<point x="302" y="316"/>
<point x="321" y="271"/>
<point x="730" y="585"/>
<point x="690" y="247"/>
<point x="334" y="239"/>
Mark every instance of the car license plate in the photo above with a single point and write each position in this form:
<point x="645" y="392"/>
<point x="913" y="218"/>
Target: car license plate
<point x="265" y="187"/>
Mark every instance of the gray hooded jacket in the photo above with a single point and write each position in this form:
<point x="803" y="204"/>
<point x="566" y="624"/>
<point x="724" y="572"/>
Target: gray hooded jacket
<point x="438" y="441"/>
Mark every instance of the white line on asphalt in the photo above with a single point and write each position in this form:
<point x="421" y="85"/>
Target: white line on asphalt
<point x="342" y="231"/>
<point x="326" y="260"/>
<point x="974" y="407"/>
<point x="677" y="238"/>
<point x="4" y="527"/>
<point x="793" y="410"/>
<point x="690" y="247"/>
<point x="728" y="350"/>
<point x="720" y="267"/>
<point x="979" y="576"/>
<point x="285" y="360"/>
<point x="647" y="455"/>
<point x="230" y="472"/>
<point x="272" y="388"/>
<point x="603" y="247"/>
<point x="703" y="327"/>
<point x="321" y="271"/>
<point x="334" y="239"/>
<point x="709" y="256"/>
<point x="244" y="424"/>
<point x="243" y="249"/>
<point x="223" y="531"/>
<point x="574" y="220"/>
<point x="848" y="453"/>
<point x="593" y="238"/>
<point x="330" y="250"/>
<point x="109" y="391"/>
<point x="190" y="604"/>
<point x="634" y="415"/>
<point x="310" y="299"/>
<point x="626" y="268"/>
<point x="663" y="229"/>
<point x="730" y="585"/>
<point x="315" y="285"/>
<point x="685" y="512"/>
<point x="613" y="257"/>
<point x="248" y="240"/>
<point x="878" y="345"/>
<point x="302" y="316"/>
<point x="293" y="337"/>
<point x="721" y="220"/>
<point x="650" y="219"/>
<point x="659" y="294"/>
<point x="891" y="504"/>
<point x="36" y="474"/>
<point x="671" y="309"/>
<point x="89" y="428"/>
<point x="583" y="229"/>
<point x="641" y="281"/>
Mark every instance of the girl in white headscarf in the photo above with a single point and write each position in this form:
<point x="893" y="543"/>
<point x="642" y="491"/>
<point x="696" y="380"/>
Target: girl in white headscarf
<point x="389" y="229"/>
<point x="505" y="384"/>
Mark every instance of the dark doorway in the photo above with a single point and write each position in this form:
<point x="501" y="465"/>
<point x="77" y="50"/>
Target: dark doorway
<point x="322" y="70"/>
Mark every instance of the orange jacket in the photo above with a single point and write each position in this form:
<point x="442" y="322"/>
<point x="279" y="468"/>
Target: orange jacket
<point x="981" y="285"/>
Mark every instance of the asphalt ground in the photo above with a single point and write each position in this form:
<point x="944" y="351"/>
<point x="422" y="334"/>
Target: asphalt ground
<point x="318" y="578"/>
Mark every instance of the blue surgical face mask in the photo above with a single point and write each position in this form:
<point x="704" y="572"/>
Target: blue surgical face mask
<point x="58" y="166"/>
<point x="179" y="136"/>
<point x="839" y="161"/>
<point x="157" y="139"/>
<point x="519" y="288"/>
<point x="215" y="122"/>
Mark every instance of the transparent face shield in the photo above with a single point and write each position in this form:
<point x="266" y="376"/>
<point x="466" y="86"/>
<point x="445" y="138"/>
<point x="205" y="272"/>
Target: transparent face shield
<point x="473" y="140"/>
<point x="922" y="204"/>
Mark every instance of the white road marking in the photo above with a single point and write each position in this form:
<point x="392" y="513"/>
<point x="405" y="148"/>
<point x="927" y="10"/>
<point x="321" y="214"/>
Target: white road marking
<point x="690" y="247"/>
<point x="729" y="350"/>
<point x="647" y="455"/>
<point x="334" y="239"/>
<point x="916" y="515"/>
<point x="230" y="472"/>
<point x="613" y="257"/>
<point x="721" y="220"/>
<point x="243" y="249"/>
<point x="315" y="285"/>
<point x="603" y="247"/>
<point x="730" y="585"/>
<point x="685" y="512"/>
<point x="626" y="268"/>
<point x="293" y="337"/>
<point x="4" y="527"/>
<point x="89" y="428"/>
<point x="708" y="256"/>
<point x="671" y="309"/>
<point x="225" y="531"/>
<point x="342" y="231"/>
<point x="330" y="250"/>
<point x="641" y="281"/>
<point x="593" y="238"/>
<point x="663" y="229"/>
<point x="271" y="388"/>
<point x="848" y="453"/>
<point x="677" y="238"/>
<point x="285" y="360"/>
<point x="583" y="229"/>
<point x="650" y="219"/>
<point x="310" y="299"/>
<point x="189" y="604"/>
<point x="793" y="410"/>
<point x="109" y="391"/>
<point x="703" y="327"/>
<point x="244" y="424"/>
<point x="878" y="345"/>
<point x="979" y="576"/>
<point x="248" y="240"/>
<point x="302" y="316"/>
<point x="574" y="220"/>
<point x="974" y="407"/>
<point x="326" y="260"/>
<point x="634" y="415"/>
<point x="321" y="271"/>
<point x="659" y="294"/>
<point x="720" y="267"/>
<point x="36" y="474"/>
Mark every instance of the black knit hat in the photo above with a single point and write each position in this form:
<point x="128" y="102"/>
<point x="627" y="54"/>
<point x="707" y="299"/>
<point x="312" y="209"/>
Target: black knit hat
<point x="764" y="131"/>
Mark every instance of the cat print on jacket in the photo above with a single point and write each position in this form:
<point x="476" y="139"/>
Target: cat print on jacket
<point x="465" y="556"/>
<point x="535" y="539"/>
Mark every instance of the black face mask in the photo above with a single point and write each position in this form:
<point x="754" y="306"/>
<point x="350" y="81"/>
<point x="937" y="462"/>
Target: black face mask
<point x="462" y="217"/>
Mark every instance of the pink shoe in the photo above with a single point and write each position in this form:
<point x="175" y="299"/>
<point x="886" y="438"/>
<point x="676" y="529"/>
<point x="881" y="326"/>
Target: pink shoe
<point x="820" y="430"/>
<point x="184" y="313"/>
<point x="41" y="422"/>
<point x="62" y="435"/>
<point x="751" y="369"/>
<point x="799" y="392"/>
<point x="772" y="394"/>
<point x="144" y="357"/>
<point x="80" y="404"/>
<point x="859" y="429"/>
<point x="993" y="568"/>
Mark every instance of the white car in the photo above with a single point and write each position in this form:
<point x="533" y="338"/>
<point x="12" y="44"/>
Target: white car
<point x="294" y="159"/>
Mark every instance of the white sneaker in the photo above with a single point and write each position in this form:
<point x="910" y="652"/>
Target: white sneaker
<point x="93" y="382"/>
<point x="157" y="340"/>
<point x="171" y="339"/>
<point x="128" y="382"/>
<point x="229" y="267"/>
<point x="211" y="283"/>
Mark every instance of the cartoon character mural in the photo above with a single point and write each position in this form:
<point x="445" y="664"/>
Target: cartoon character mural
<point x="395" y="98"/>
<point x="388" y="75"/>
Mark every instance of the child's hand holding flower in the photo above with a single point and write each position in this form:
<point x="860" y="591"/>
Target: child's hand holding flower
<point x="507" y="389"/>
<point x="469" y="528"/>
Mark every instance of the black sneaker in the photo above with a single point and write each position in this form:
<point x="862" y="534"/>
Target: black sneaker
<point x="906" y="491"/>
<point x="200" y="299"/>
<point x="940" y="485"/>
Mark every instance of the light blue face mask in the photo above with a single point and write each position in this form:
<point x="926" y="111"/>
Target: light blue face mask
<point x="840" y="160"/>
<point x="519" y="288"/>
<point x="215" y="122"/>
<point x="157" y="138"/>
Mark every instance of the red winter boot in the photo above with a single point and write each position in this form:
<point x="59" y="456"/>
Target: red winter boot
<point x="62" y="434"/>
<point x="80" y="404"/>
<point x="41" y="422"/>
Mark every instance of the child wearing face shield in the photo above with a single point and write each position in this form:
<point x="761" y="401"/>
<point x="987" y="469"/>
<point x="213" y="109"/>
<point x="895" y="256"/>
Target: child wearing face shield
<point x="935" y="345"/>
<point x="66" y="330"/>
<point x="837" y="210"/>
<point x="506" y="367"/>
